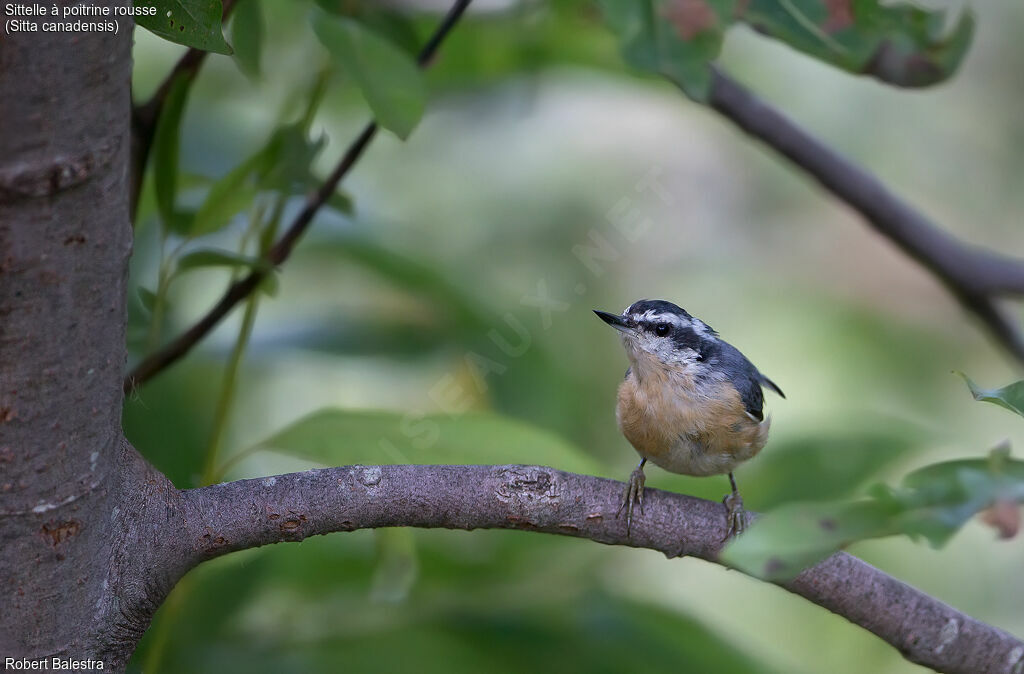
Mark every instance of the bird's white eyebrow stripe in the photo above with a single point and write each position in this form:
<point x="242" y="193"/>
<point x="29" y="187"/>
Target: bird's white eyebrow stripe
<point x="676" y="319"/>
<point x="682" y="320"/>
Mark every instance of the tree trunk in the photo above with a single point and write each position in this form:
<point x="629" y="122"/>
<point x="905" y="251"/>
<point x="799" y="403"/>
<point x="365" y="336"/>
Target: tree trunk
<point x="65" y="239"/>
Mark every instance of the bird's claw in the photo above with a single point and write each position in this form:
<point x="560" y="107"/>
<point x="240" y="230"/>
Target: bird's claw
<point x="735" y="515"/>
<point x="632" y="495"/>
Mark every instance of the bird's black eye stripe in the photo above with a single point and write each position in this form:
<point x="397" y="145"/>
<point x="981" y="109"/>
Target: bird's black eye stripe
<point x="688" y="339"/>
<point x="662" y="329"/>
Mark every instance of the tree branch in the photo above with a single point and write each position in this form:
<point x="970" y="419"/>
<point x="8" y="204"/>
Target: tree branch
<point x="250" y="513"/>
<point x="241" y="289"/>
<point x="973" y="275"/>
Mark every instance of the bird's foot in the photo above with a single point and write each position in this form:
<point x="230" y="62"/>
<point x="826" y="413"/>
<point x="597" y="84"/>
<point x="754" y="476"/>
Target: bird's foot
<point x="632" y="495"/>
<point x="735" y="515"/>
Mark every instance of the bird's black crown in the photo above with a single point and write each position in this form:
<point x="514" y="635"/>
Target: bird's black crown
<point x="641" y="307"/>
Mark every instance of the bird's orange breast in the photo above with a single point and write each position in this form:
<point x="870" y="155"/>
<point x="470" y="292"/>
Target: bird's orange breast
<point x="686" y="428"/>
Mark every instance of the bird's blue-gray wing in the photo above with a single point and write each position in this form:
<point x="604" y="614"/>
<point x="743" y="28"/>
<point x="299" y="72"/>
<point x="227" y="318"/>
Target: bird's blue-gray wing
<point x="745" y="377"/>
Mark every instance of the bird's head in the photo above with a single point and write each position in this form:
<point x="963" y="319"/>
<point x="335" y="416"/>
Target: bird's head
<point x="662" y="331"/>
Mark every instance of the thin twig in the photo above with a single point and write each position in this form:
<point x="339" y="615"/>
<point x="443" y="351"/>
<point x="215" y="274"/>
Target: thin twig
<point x="250" y="513"/>
<point x="239" y="290"/>
<point x="976" y="277"/>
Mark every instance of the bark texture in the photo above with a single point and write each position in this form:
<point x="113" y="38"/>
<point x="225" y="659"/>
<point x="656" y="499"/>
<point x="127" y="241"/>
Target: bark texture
<point x="65" y="239"/>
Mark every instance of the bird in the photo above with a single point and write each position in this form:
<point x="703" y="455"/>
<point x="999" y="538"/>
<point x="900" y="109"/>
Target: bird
<point x="690" y="402"/>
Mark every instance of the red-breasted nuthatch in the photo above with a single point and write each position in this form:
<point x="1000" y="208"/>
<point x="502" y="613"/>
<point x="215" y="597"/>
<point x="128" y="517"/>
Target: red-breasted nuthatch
<point x="690" y="401"/>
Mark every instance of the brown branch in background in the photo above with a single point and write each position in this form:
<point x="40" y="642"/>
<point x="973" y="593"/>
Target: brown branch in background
<point x="241" y="289"/>
<point x="976" y="277"/>
<point x="146" y="116"/>
<point x="250" y="513"/>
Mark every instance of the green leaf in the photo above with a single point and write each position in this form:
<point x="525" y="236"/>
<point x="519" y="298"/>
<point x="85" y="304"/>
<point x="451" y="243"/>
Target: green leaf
<point x="932" y="502"/>
<point x="940" y="498"/>
<point x="220" y="258"/>
<point x="675" y="38"/>
<point x="387" y="76"/>
<point x="898" y="43"/>
<point x="166" y="144"/>
<point x="780" y="544"/>
<point x="270" y="285"/>
<point x="148" y="299"/>
<point x="193" y="23"/>
<point x="247" y="36"/>
<point x="392" y="23"/>
<point x="229" y="196"/>
<point x="339" y="437"/>
<point x="289" y="156"/>
<point x="341" y="202"/>
<point x="283" y="165"/>
<point x="1010" y="397"/>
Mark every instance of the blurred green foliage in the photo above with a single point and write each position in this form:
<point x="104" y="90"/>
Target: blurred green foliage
<point x="173" y="419"/>
<point x="932" y="502"/>
<point x="343" y="437"/>
<point x="305" y="608"/>
<point x="451" y="265"/>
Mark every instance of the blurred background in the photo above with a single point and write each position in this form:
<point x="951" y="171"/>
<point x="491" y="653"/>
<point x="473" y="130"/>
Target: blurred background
<point x="537" y="149"/>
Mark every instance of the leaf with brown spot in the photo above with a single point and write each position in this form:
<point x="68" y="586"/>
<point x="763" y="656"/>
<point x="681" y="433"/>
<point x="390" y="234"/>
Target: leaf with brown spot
<point x="1004" y="517"/>
<point x="839" y="15"/>
<point x="197" y="24"/>
<point x="900" y="44"/>
<point x="675" y="38"/>
<point x="931" y="503"/>
<point x="690" y="17"/>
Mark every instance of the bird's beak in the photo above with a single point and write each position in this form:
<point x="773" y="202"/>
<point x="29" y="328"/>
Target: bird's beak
<point x="620" y="323"/>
